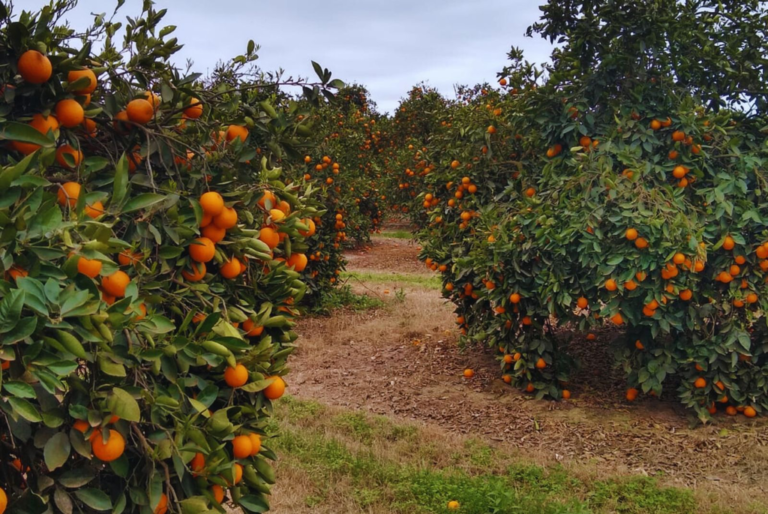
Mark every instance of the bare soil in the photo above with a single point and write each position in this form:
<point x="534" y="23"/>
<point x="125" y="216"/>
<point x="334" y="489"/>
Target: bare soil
<point x="404" y="361"/>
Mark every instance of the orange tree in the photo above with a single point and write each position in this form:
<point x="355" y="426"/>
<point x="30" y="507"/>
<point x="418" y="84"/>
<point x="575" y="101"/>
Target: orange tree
<point x="152" y="258"/>
<point x="346" y="167"/>
<point x="625" y="184"/>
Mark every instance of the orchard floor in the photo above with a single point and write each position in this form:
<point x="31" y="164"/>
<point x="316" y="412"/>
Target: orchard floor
<point x="378" y="402"/>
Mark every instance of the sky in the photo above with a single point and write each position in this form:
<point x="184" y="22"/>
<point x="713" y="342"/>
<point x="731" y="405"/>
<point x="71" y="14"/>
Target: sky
<point x="388" y="46"/>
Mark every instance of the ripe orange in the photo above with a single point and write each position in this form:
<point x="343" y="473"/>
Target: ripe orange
<point x="218" y="493"/>
<point x="69" y="113"/>
<point x="686" y="294"/>
<point x="679" y="258"/>
<point x="255" y="443"/>
<point x="630" y="285"/>
<point x="68" y="193"/>
<point x="108" y="450"/>
<point x="610" y="284"/>
<point x="311" y="231"/>
<point x="128" y="258"/>
<point x="631" y="234"/>
<point x="119" y="122"/>
<point x="515" y="298"/>
<point x="541" y="363"/>
<point x="197" y="464"/>
<point x="530" y="192"/>
<point x="212" y="203"/>
<point x="202" y="249"/>
<point x="3" y="501"/>
<point x="530" y="387"/>
<point x="226" y="219"/>
<point x="751" y="298"/>
<point x="679" y="172"/>
<point x="241" y="446"/>
<point x="298" y="261"/>
<point x="268" y="199"/>
<point x="728" y="243"/>
<point x="700" y="383"/>
<point x="89" y="267"/>
<point x="115" y="284"/>
<point x="639" y="345"/>
<point x="617" y="318"/>
<point x="237" y="376"/>
<point x="631" y="394"/>
<point x="251" y="329"/>
<point x="75" y="75"/>
<point x="731" y="410"/>
<point x="140" y="111"/>
<point x="194" y="109"/>
<point x="214" y="233"/>
<point x="34" y="67"/>
<point x="153" y="99"/>
<point x="641" y="243"/>
<point x="269" y="237"/>
<point x="276" y="389"/>
<point x="750" y="412"/>
<point x="231" y="269"/>
<point x="566" y="394"/>
<point x="238" y="473"/>
<point x="453" y="505"/>
<point x="582" y="303"/>
<point x="76" y="155"/>
<point x="455" y="164"/>
<point x="237" y="131"/>
<point x="655" y="124"/>
<point x="162" y="505"/>
<point x="678" y="135"/>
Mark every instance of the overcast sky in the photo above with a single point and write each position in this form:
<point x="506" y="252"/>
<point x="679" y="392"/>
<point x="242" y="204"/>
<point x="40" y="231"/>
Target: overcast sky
<point x="388" y="46"/>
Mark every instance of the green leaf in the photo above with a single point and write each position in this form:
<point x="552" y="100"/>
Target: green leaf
<point x="110" y="367"/>
<point x="14" y="131"/>
<point x="56" y="451"/>
<point x="25" y="409"/>
<point x="123" y="405"/>
<point x="77" y="477"/>
<point x="94" y="498"/>
<point x="253" y="503"/>
<point x="24" y="328"/>
<point x="120" y="186"/>
<point x="10" y="310"/>
<point x="142" y="201"/>
<point x="20" y="389"/>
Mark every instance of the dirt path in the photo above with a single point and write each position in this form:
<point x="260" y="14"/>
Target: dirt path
<point x="403" y="361"/>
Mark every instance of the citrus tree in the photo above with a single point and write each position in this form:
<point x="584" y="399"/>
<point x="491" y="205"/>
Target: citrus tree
<point x="152" y="259"/>
<point x="621" y="184"/>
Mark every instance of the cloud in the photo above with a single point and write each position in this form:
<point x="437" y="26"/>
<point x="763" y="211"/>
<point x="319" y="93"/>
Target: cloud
<point x="386" y="46"/>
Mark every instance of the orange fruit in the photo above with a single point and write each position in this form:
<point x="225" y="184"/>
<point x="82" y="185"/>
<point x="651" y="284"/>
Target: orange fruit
<point x="700" y="383"/>
<point x="110" y="449"/>
<point x="631" y="234"/>
<point x="238" y="473"/>
<point x="153" y="99"/>
<point x="196" y="273"/>
<point x="214" y="233"/>
<point x="68" y="193"/>
<point x="237" y="376"/>
<point x="750" y="412"/>
<point x="469" y="373"/>
<point x="455" y="164"/>
<point x="115" y="284"/>
<point x="610" y="284"/>
<point x="119" y="122"/>
<point x="678" y="135"/>
<point x="241" y="446"/>
<point x="277" y="215"/>
<point x="630" y="285"/>
<point x="218" y="493"/>
<point x="686" y="294"/>
<point x="751" y="298"/>
<point x="162" y="505"/>
<point x="641" y="243"/>
<point x="655" y="124"/>
<point x="515" y="298"/>
<point x="582" y="303"/>
<point x="77" y="156"/>
<point x="679" y="172"/>
<point x="89" y="267"/>
<point x="69" y="113"/>
<point x="453" y="505"/>
<point x="566" y="394"/>
<point x="255" y="443"/>
<point x="202" y="249"/>
<point x="617" y="318"/>
<point x="530" y="192"/>
<point x="269" y="237"/>
<point x="728" y="243"/>
<point x="541" y="363"/>
<point x="140" y="111"/>
<point x="194" y="109"/>
<point x="197" y="464"/>
<point x="731" y="410"/>
<point x="251" y="329"/>
<point x="639" y="345"/>
<point x="128" y="258"/>
<point x="679" y="258"/>
<point x="237" y="131"/>
<point x="276" y="389"/>
<point x="298" y="261"/>
<point x="75" y="75"/>
<point x="268" y="199"/>
<point x="311" y="230"/>
<point x="631" y="394"/>
<point x="530" y="388"/>
<point x="231" y="269"/>
<point x="34" y="67"/>
<point x="226" y="219"/>
<point x="212" y="203"/>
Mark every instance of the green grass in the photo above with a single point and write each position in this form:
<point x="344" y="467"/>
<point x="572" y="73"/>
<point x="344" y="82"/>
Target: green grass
<point x="342" y="297"/>
<point x="416" y="473"/>
<point x="427" y="281"/>
<point x="396" y="234"/>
